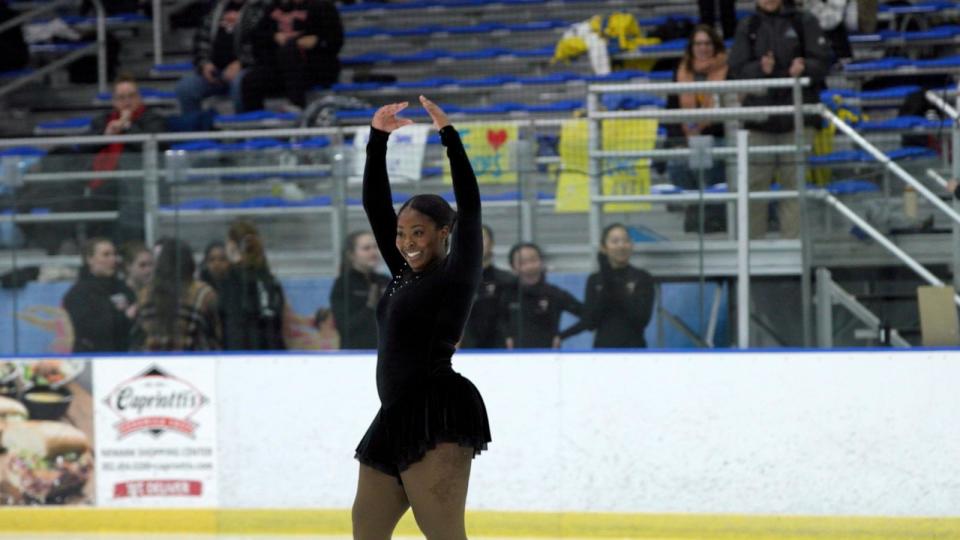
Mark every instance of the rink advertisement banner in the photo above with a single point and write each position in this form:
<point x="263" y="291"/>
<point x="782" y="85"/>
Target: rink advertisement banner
<point x="157" y="422"/>
<point x="46" y="432"/>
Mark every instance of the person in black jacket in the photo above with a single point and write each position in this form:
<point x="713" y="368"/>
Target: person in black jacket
<point x="252" y="304"/>
<point x="215" y="267"/>
<point x="532" y="307"/>
<point x="308" y="36"/>
<point x="356" y="292"/>
<point x="224" y="48"/>
<point x="619" y="298"/>
<point x="484" y="330"/>
<point x="100" y="305"/>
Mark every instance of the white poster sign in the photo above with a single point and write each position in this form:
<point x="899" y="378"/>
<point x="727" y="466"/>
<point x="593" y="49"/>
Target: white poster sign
<point x="405" y="151"/>
<point x="157" y="428"/>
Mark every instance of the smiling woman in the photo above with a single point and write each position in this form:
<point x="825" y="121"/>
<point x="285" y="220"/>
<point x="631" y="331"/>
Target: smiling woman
<point x="432" y="421"/>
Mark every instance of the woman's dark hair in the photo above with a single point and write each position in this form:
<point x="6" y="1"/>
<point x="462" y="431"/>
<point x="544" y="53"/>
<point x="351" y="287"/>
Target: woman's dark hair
<point x="247" y="237"/>
<point x="173" y="273"/>
<point x="434" y="207"/>
<point x="520" y="245"/>
<point x="711" y="32"/>
<point x="609" y="228"/>
<point x="131" y="250"/>
<point x="349" y="246"/>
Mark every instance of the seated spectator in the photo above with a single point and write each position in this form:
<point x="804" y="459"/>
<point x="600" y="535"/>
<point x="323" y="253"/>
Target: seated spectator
<point x="129" y="115"/>
<point x="137" y="265"/>
<point x="483" y="329"/>
<point x="619" y="298"/>
<point x="532" y="307"/>
<point x="15" y="55"/>
<point x="215" y="266"/>
<point x="308" y="35"/>
<point x="252" y="303"/>
<point x="356" y="292"/>
<point x="704" y="59"/>
<point x="99" y="304"/>
<point x="176" y="312"/>
<point x="223" y="49"/>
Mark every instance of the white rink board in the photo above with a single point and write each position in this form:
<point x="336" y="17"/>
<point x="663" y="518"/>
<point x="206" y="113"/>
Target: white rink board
<point x="822" y="433"/>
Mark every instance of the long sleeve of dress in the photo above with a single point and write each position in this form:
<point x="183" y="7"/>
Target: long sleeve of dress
<point x="378" y="200"/>
<point x="466" y="252"/>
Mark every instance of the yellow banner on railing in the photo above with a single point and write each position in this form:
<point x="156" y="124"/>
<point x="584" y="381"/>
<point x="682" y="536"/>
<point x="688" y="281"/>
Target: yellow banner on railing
<point x="621" y="176"/>
<point x="490" y="146"/>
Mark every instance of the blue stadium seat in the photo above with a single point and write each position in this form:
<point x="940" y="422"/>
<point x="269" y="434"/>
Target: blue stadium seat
<point x="851" y="187"/>
<point x="69" y="126"/>
<point x="492" y="80"/>
<point x="173" y="67"/>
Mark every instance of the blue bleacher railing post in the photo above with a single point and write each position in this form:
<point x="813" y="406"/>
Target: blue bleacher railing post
<point x="743" y="240"/>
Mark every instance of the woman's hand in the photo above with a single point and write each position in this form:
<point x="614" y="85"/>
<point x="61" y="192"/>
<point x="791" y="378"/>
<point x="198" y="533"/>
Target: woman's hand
<point x="439" y="117"/>
<point x="385" y="119"/>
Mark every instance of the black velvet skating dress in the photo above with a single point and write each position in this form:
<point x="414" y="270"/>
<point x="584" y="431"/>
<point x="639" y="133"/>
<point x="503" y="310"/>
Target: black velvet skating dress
<point x="420" y="318"/>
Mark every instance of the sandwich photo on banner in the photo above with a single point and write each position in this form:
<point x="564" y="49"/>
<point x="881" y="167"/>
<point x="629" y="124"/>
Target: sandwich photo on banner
<point x="46" y="462"/>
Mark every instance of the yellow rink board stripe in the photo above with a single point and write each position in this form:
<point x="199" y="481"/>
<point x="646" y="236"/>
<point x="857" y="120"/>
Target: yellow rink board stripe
<point x="480" y="524"/>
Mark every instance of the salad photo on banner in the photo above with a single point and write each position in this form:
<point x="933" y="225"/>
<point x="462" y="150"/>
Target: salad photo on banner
<point x="46" y="433"/>
<point x="626" y="176"/>
<point x="492" y="148"/>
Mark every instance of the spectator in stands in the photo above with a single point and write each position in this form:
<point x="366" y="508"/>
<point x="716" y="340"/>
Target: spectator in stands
<point x="15" y="55"/>
<point x="532" y="307"/>
<point x="129" y="115"/>
<point x="483" y="329"/>
<point x="215" y="266"/>
<point x="831" y="14"/>
<point x="176" y="312"/>
<point x="728" y="15"/>
<point x="357" y="290"/>
<point x="778" y="41"/>
<point x="619" y="298"/>
<point x="224" y="48"/>
<point x="99" y="304"/>
<point x="308" y="35"/>
<point x="138" y="266"/>
<point x="252" y="300"/>
<point x="704" y="59"/>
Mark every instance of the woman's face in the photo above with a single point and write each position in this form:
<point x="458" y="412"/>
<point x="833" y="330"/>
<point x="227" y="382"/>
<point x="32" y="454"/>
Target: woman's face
<point x="103" y="262"/>
<point x="528" y="265"/>
<point x="140" y="270"/>
<point x="419" y="240"/>
<point x="703" y="46"/>
<point x="617" y="247"/>
<point x="365" y="256"/>
<point x="217" y="263"/>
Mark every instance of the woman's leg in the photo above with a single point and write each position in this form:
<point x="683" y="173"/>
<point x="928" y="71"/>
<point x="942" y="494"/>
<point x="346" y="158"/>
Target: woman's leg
<point x="436" y="487"/>
<point x="379" y="505"/>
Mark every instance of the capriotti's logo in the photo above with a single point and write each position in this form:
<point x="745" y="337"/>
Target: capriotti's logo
<point x="155" y="402"/>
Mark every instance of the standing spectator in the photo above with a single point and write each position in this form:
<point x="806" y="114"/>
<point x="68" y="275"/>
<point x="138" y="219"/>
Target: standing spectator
<point x="215" y="267"/>
<point x="831" y="14"/>
<point x="129" y="115"/>
<point x="705" y="59"/>
<point x="619" y="297"/>
<point x="224" y="48"/>
<point x="483" y="330"/>
<point x="728" y="15"/>
<point x="356" y="292"/>
<point x="99" y="304"/>
<point x="176" y="312"/>
<point x="137" y="265"/>
<point x="778" y="41"/>
<point x="308" y="35"/>
<point x="252" y="301"/>
<point x="532" y="306"/>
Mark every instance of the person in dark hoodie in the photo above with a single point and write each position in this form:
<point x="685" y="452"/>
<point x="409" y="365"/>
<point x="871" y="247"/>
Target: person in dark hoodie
<point x="532" y="307"/>
<point x="307" y="37"/>
<point x="778" y="41"/>
<point x="252" y="300"/>
<point x="618" y="301"/>
<point x="483" y="330"/>
<point x="356" y="292"/>
<point x="224" y="48"/>
<point x="100" y="305"/>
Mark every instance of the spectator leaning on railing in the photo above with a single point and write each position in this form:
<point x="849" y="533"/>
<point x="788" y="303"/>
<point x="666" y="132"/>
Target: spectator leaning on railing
<point x="778" y="41"/>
